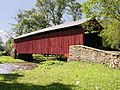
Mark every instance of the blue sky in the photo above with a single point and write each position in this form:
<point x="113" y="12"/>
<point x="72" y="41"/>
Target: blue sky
<point x="9" y="9"/>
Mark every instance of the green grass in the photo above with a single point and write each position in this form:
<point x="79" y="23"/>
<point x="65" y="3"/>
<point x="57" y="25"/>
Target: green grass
<point x="56" y="75"/>
<point x="8" y="59"/>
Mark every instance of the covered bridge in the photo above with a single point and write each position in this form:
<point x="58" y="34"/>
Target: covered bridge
<point x="53" y="40"/>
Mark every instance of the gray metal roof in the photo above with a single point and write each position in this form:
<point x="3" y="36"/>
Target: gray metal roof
<point x="65" y="25"/>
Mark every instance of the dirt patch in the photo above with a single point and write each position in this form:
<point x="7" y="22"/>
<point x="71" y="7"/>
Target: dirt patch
<point x="9" y="67"/>
<point x="26" y="66"/>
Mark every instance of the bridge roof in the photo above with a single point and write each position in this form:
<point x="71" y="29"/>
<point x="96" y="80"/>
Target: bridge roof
<point x="64" y="25"/>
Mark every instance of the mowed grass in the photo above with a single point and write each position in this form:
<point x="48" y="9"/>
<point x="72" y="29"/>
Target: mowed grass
<point x="8" y="59"/>
<point x="56" y="75"/>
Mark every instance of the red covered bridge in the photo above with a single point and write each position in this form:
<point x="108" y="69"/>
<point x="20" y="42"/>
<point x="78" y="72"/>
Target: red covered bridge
<point x="52" y="40"/>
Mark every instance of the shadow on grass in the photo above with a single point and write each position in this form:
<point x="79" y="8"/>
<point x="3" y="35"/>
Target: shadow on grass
<point x="9" y="82"/>
<point x="37" y="61"/>
<point x="10" y="77"/>
<point x="21" y="86"/>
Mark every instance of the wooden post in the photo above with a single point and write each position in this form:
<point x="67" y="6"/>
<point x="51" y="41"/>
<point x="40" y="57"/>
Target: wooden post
<point x="13" y="53"/>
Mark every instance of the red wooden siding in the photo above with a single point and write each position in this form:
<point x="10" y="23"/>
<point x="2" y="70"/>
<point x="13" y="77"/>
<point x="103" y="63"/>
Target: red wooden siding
<point x="55" y="42"/>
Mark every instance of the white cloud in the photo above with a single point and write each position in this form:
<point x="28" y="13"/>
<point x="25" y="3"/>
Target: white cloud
<point x="3" y="32"/>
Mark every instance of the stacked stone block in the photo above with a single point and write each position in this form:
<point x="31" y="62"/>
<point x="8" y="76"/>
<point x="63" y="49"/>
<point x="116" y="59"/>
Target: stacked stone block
<point x="92" y="55"/>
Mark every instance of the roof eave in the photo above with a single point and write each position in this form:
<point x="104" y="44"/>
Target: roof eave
<point x="65" y="25"/>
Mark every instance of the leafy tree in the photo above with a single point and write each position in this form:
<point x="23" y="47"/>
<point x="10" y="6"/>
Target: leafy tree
<point x="52" y="9"/>
<point x="102" y="9"/>
<point x="46" y="13"/>
<point x="9" y="44"/>
<point x="111" y="35"/>
<point x="1" y="45"/>
<point x="28" y="21"/>
<point x="108" y="13"/>
<point x="74" y="10"/>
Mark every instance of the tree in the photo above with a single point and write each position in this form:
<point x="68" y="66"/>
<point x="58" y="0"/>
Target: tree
<point x="74" y="10"/>
<point x="29" y="21"/>
<point x="9" y="44"/>
<point x="111" y="35"/>
<point x="108" y="13"/>
<point x="46" y="13"/>
<point x="52" y="9"/>
<point x="102" y="9"/>
<point x="1" y="45"/>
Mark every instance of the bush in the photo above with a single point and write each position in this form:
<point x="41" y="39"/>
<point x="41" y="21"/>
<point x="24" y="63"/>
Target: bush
<point x="39" y="57"/>
<point x="50" y="57"/>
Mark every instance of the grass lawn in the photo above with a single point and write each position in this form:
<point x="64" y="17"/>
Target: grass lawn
<point x="7" y="59"/>
<point x="56" y="75"/>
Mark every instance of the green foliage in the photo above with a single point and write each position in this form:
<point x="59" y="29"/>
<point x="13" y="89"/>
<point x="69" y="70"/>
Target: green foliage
<point x="39" y="57"/>
<point x="9" y="44"/>
<point x="29" y="21"/>
<point x="1" y="45"/>
<point x="46" y="13"/>
<point x="111" y="35"/>
<point x="101" y="9"/>
<point x="53" y="10"/>
<point x="91" y="26"/>
<point x="75" y="10"/>
<point x="50" y="63"/>
<point x="8" y="59"/>
<point x="108" y="13"/>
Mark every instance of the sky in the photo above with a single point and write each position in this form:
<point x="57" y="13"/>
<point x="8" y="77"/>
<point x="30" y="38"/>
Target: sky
<point x="9" y="9"/>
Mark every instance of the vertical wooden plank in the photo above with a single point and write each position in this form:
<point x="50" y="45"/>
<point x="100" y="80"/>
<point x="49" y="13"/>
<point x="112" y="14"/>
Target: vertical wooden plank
<point x="51" y="43"/>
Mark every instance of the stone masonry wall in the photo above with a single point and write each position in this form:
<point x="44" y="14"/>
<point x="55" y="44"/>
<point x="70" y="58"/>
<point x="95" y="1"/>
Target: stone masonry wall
<point x="88" y="54"/>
